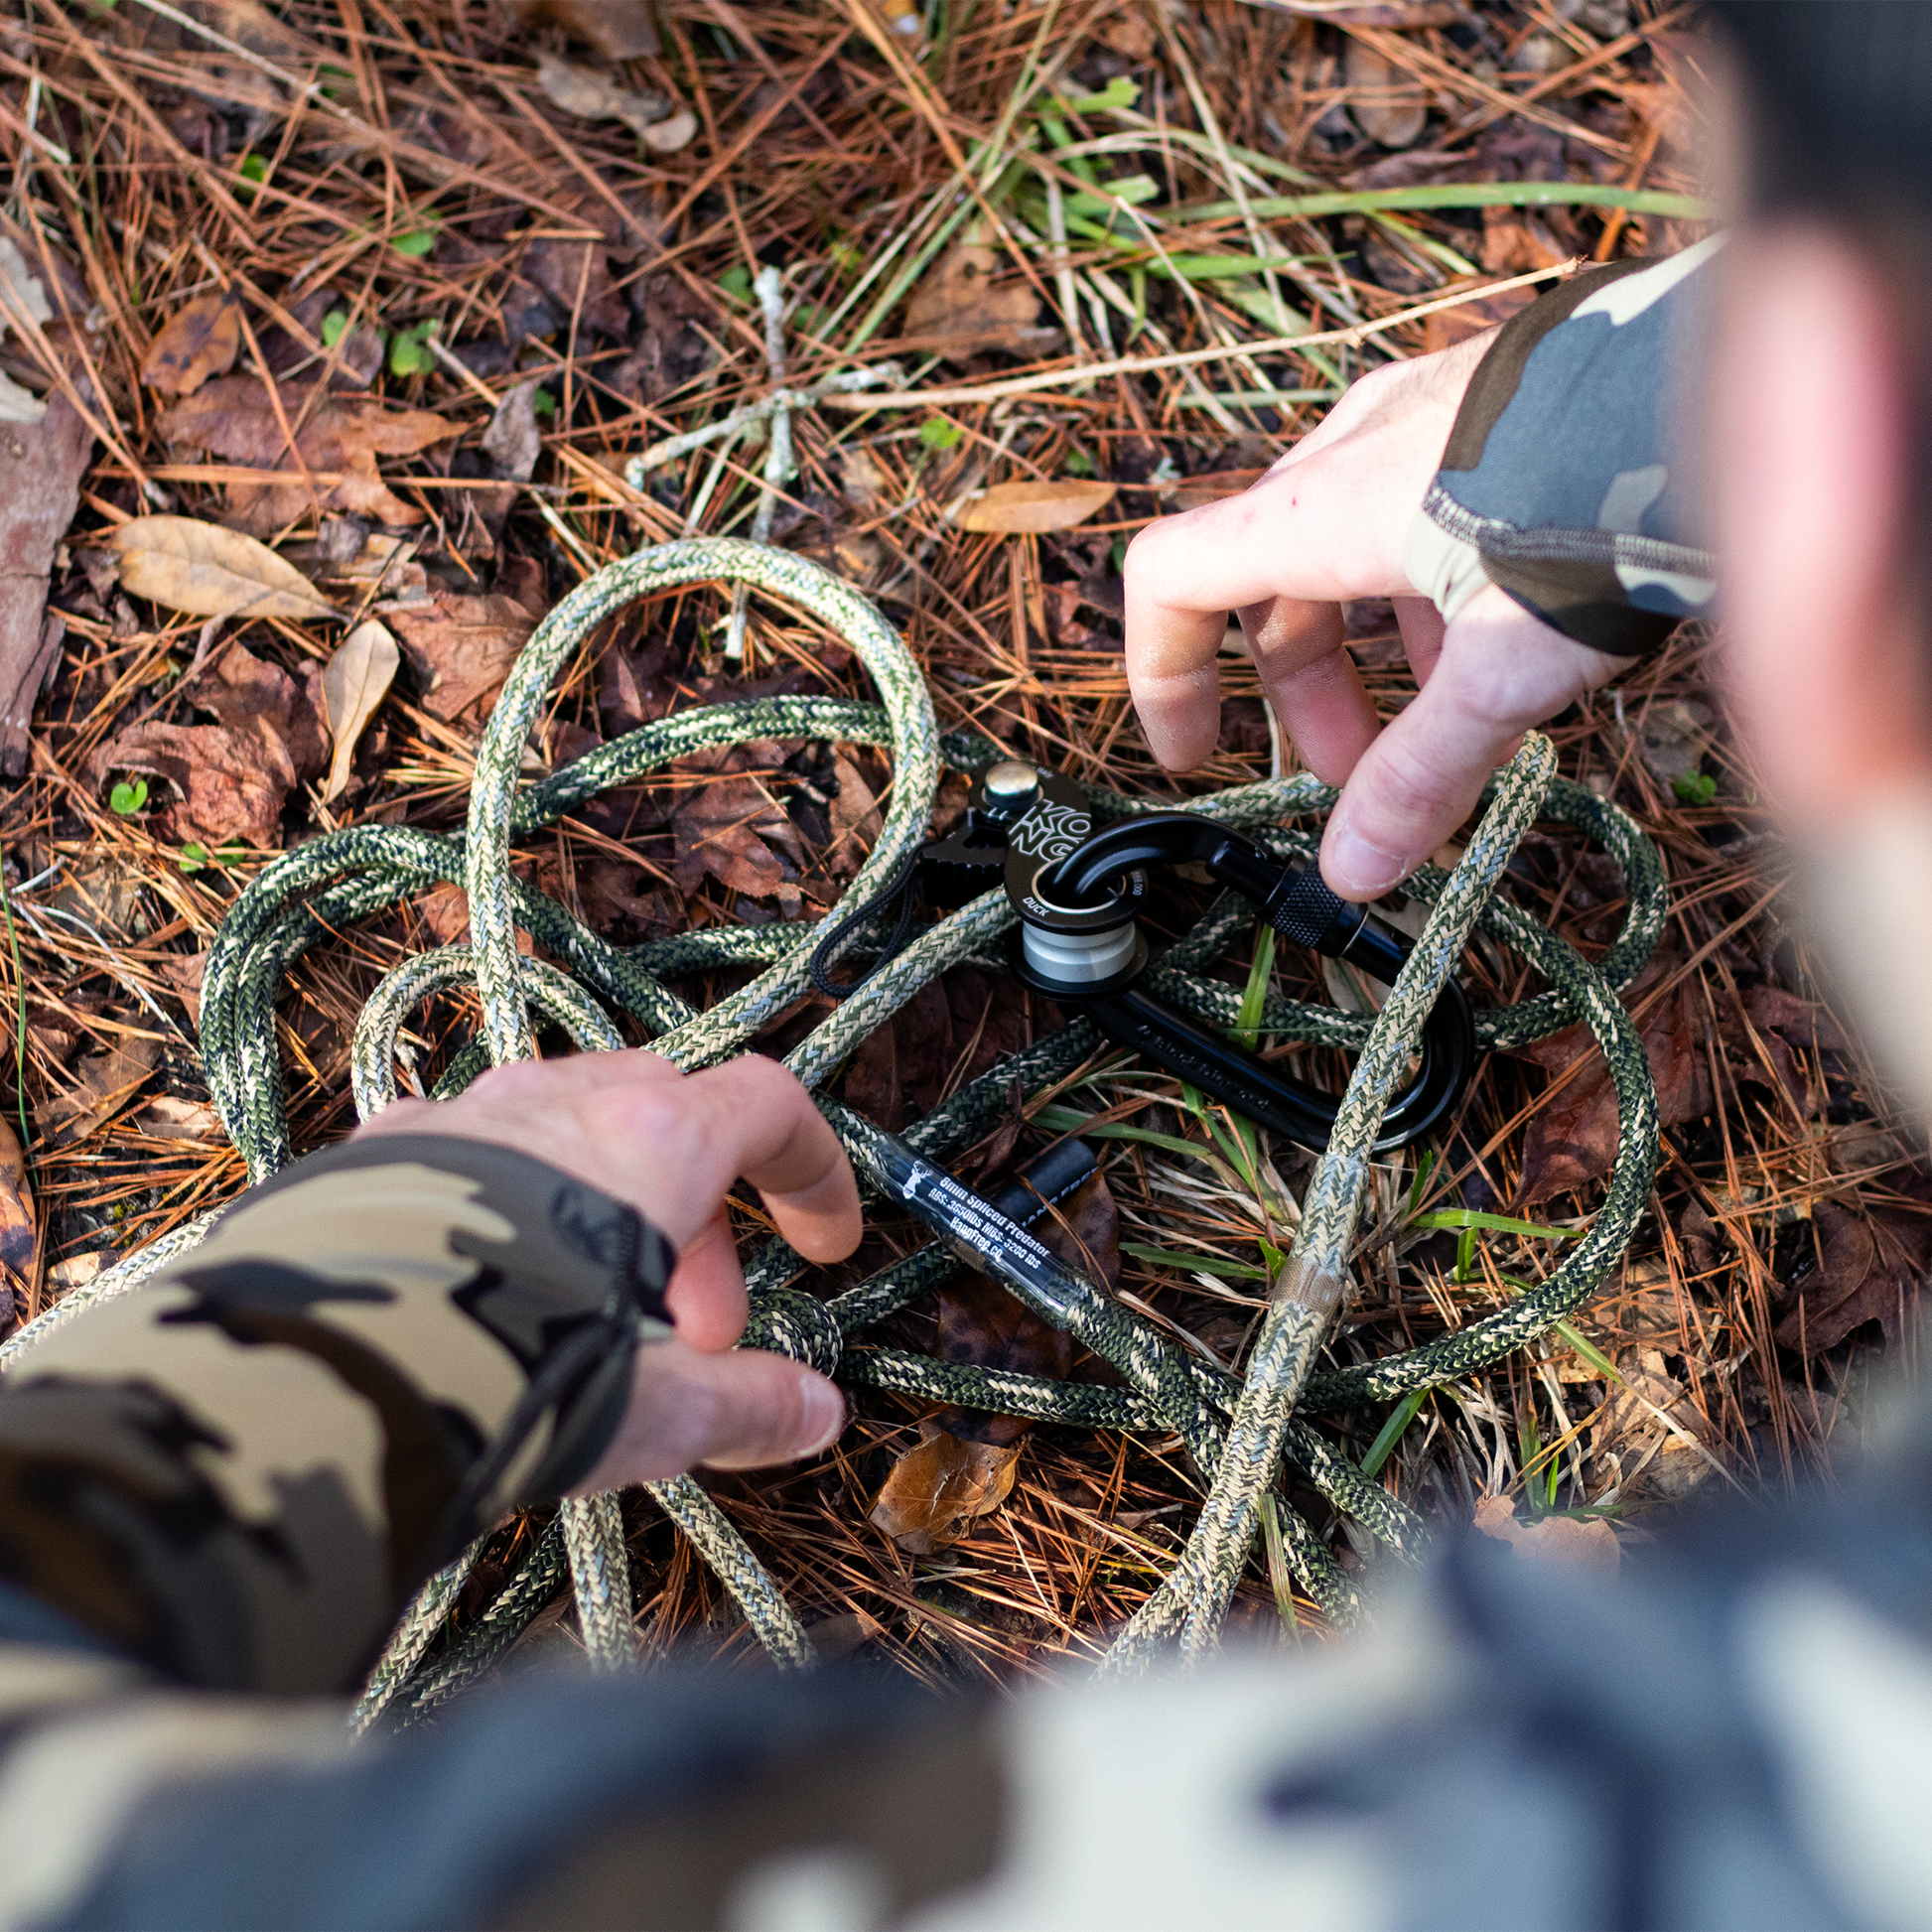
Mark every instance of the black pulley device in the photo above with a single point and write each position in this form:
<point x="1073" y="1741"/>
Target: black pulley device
<point x="1077" y="891"/>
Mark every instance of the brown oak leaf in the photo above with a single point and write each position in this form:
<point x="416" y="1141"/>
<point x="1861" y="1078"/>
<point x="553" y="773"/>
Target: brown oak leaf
<point x="1572" y="1138"/>
<point x="1869" y="1269"/>
<point x="734" y="829"/>
<point x="232" y="778"/>
<point x="460" y="648"/>
<point x="1560" y="1539"/>
<point x="195" y="343"/>
<point x="338" y="436"/>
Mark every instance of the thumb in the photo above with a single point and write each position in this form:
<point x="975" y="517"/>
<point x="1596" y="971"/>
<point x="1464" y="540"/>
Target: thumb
<point x="736" y="1411"/>
<point x="1501" y="671"/>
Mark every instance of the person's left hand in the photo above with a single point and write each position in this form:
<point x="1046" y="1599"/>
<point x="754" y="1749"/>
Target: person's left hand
<point x="671" y="1143"/>
<point x="1328" y="524"/>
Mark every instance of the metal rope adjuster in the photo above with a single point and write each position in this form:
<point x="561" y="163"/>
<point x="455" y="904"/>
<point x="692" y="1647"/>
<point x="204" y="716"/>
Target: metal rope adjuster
<point x="1077" y="891"/>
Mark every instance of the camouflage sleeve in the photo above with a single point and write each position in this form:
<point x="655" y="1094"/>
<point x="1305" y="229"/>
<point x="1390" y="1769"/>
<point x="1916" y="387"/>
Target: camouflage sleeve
<point x="236" y="1474"/>
<point x="1563" y="481"/>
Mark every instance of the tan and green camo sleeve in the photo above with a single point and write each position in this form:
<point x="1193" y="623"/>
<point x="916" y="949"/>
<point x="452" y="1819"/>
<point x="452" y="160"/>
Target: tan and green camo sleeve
<point x="238" y="1473"/>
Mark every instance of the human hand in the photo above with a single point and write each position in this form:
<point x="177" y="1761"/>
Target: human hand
<point x="670" y="1144"/>
<point x="1328" y="522"/>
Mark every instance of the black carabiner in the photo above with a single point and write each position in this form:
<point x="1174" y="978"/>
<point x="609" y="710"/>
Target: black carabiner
<point x="1076" y="891"/>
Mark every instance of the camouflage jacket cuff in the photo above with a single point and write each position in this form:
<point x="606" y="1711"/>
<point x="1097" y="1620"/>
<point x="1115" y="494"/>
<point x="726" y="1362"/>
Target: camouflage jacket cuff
<point x="1561" y="482"/>
<point x="240" y="1471"/>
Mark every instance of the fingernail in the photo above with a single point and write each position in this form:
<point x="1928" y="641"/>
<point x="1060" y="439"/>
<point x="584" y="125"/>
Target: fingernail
<point x="823" y="1421"/>
<point x="1356" y="869"/>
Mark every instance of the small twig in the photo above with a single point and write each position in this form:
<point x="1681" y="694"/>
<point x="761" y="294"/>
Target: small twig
<point x="1354" y="335"/>
<point x="780" y="467"/>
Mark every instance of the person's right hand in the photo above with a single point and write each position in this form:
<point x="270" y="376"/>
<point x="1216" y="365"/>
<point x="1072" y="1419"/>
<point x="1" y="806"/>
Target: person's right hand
<point x="1328" y="524"/>
<point x="671" y="1143"/>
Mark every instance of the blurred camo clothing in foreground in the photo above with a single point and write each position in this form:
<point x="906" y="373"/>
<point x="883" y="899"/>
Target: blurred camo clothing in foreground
<point x="220" y="1489"/>
<point x="1568" y="479"/>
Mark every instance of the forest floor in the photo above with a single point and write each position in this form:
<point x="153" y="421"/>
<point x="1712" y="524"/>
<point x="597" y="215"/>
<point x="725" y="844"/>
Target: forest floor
<point x="395" y="288"/>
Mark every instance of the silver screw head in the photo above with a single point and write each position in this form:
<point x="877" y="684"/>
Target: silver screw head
<point x="1010" y="787"/>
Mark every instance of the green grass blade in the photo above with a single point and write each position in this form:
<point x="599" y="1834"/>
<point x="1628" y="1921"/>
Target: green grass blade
<point x="1254" y="996"/>
<point x="1393" y="1430"/>
<point x="1203" y="1264"/>
<point x="1458" y="1219"/>
<point x="1491" y="193"/>
<point x="1278" y="1575"/>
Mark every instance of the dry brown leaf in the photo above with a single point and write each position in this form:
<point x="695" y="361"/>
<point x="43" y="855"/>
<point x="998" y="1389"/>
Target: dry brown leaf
<point x="1448" y="326"/>
<point x="512" y="442"/>
<point x="1573" y="1139"/>
<point x="1035" y="509"/>
<point x="734" y="829"/>
<point x="50" y="457"/>
<point x="198" y="341"/>
<point x="19" y="1225"/>
<point x="230" y="778"/>
<point x="184" y="972"/>
<point x="660" y="124"/>
<point x="935" y="1489"/>
<point x="1372" y="79"/>
<point x="620" y="30"/>
<point x="340" y="436"/>
<point x="460" y="648"/>
<point x="168" y="1117"/>
<point x="1560" y="1539"/>
<point x="183" y="564"/>
<point x="104" y="1083"/>
<point x="1869" y="1269"/>
<point x="24" y="297"/>
<point x="354" y="682"/>
<point x="959" y="303"/>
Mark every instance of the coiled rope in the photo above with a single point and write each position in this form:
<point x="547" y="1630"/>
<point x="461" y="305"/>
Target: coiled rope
<point x="1238" y="1429"/>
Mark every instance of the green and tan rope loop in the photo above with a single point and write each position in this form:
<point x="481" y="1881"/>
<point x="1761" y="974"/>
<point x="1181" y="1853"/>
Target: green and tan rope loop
<point x="1238" y="1429"/>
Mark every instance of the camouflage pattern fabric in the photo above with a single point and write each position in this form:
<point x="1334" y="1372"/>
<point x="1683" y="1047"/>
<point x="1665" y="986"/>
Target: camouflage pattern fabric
<point x="1562" y="480"/>
<point x="238" y="1473"/>
<point x="1732" y="1735"/>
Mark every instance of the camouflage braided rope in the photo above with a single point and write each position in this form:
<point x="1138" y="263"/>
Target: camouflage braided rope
<point x="314" y="890"/>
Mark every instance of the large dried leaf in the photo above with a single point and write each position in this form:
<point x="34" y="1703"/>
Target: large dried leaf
<point x="341" y="436"/>
<point x="1571" y="1140"/>
<point x="183" y="564"/>
<point x="50" y="457"/>
<point x="1035" y="509"/>
<point x="198" y="341"/>
<point x="620" y="30"/>
<point x="734" y="829"/>
<point x="1373" y="80"/>
<point x="660" y="123"/>
<point x="1558" y="1539"/>
<point x="19" y="1225"/>
<point x="460" y="648"/>
<point x="24" y="296"/>
<point x="105" y="1083"/>
<point x="938" y="1488"/>
<point x="354" y="682"/>
<point x="230" y="778"/>
<point x="512" y="442"/>
<point x="959" y="303"/>
<point x="1869" y="1269"/>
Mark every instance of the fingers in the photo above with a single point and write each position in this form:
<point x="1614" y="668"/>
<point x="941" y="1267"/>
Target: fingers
<point x="1312" y="682"/>
<point x="1185" y="574"/>
<point x="734" y="1412"/>
<point x="1500" y="671"/>
<point x="706" y="1293"/>
<point x="1325" y="525"/>
<point x="1420" y="625"/>
<point x="686" y="1140"/>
